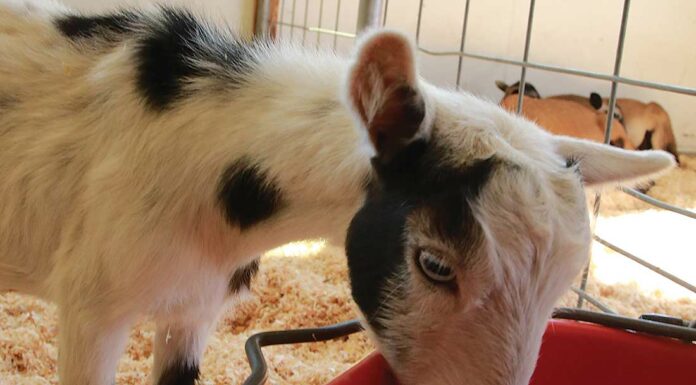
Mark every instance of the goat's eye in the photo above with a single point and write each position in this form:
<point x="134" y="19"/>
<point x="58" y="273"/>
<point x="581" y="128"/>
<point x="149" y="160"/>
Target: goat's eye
<point x="434" y="268"/>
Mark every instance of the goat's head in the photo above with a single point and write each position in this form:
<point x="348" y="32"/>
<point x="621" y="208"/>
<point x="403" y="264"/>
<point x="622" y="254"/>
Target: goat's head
<point x="619" y="136"/>
<point x="514" y="89"/>
<point x="474" y="223"/>
<point x="602" y="105"/>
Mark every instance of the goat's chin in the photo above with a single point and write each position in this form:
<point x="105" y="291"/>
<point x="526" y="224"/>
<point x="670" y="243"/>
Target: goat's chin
<point x="439" y="370"/>
<point x="480" y="348"/>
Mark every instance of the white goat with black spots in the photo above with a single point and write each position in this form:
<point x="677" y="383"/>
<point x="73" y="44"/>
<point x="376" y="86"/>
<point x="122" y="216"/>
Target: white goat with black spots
<point x="147" y="158"/>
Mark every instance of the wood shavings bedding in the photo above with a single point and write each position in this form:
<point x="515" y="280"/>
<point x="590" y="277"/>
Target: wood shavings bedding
<point x="303" y="285"/>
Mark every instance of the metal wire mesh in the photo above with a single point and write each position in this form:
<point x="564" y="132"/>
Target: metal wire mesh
<point x="373" y="13"/>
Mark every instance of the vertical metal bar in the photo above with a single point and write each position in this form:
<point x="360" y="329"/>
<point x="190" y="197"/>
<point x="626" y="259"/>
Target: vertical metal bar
<point x="292" y="19"/>
<point x="617" y="70"/>
<point x="280" y="18"/>
<point x="261" y="19"/>
<point x="527" y="39"/>
<point x="306" y="12"/>
<point x="461" y="43"/>
<point x="418" y="25"/>
<point x="272" y="23"/>
<point x="369" y="15"/>
<point x="338" y="17"/>
<point x="321" y="13"/>
<point x="607" y="131"/>
<point x="386" y="8"/>
<point x="586" y="270"/>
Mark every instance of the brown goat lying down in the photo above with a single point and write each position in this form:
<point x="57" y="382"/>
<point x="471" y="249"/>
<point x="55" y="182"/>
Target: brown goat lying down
<point x="647" y="124"/>
<point x="644" y="126"/>
<point x="564" y="117"/>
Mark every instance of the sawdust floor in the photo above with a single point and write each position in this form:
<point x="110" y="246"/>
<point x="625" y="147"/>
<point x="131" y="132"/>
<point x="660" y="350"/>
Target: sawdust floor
<point x="305" y="285"/>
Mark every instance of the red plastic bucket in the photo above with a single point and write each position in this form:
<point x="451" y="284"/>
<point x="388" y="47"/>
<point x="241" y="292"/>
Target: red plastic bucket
<point x="579" y="353"/>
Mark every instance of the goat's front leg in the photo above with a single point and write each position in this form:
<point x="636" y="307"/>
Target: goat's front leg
<point x="89" y="346"/>
<point x="182" y="333"/>
<point x="178" y="350"/>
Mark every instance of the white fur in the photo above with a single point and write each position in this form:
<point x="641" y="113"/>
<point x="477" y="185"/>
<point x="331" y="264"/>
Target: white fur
<point x="600" y="166"/>
<point x="110" y="209"/>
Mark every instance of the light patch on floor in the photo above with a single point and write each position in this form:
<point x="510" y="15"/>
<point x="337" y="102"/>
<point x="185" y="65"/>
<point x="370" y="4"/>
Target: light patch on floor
<point x="661" y="238"/>
<point x="303" y="249"/>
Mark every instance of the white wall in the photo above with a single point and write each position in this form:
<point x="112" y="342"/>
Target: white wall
<point x="581" y="34"/>
<point x="574" y="33"/>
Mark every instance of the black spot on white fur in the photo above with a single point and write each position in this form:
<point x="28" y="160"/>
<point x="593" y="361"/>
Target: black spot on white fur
<point x="109" y="27"/>
<point x="173" y="48"/>
<point x="242" y="277"/>
<point x="247" y="195"/>
<point x="180" y="373"/>
<point x="179" y="48"/>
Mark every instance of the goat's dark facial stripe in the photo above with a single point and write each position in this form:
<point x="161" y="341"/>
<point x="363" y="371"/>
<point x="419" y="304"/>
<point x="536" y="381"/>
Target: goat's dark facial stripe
<point x="412" y="180"/>
<point x="417" y="171"/>
<point x="180" y="373"/>
<point x="242" y="277"/>
<point x="452" y="218"/>
<point x="248" y="195"/>
<point x="102" y="26"/>
<point x="375" y="251"/>
<point x="171" y="53"/>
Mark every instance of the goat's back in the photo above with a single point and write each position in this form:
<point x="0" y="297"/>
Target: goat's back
<point x="567" y="117"/>
<point x="39" y="166"/>
<point x="78" y="150"/>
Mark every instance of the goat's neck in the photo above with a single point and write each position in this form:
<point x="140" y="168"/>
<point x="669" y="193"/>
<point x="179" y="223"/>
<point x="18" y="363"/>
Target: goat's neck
<point x="291" y="120"/>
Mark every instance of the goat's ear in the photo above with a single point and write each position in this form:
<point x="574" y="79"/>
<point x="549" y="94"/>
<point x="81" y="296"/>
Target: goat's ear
<point x="531" y="91"/>
<point x="501" y="85"/>
<point x="601" y="164"/>
<point x="383" y="91"/>
<point x="596" y="101"/>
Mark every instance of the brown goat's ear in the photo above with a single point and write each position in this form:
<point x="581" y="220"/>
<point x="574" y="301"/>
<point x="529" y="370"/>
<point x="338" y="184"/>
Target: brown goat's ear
<point x="383" y="91"/>
<point x="501" y="85"/>
<point x="531" y="91"/>
<point x="596" y="101"/>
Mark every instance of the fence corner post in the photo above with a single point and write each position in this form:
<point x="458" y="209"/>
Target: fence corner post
<point x="266" y="19"/>
<point x="369" y="15"/>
